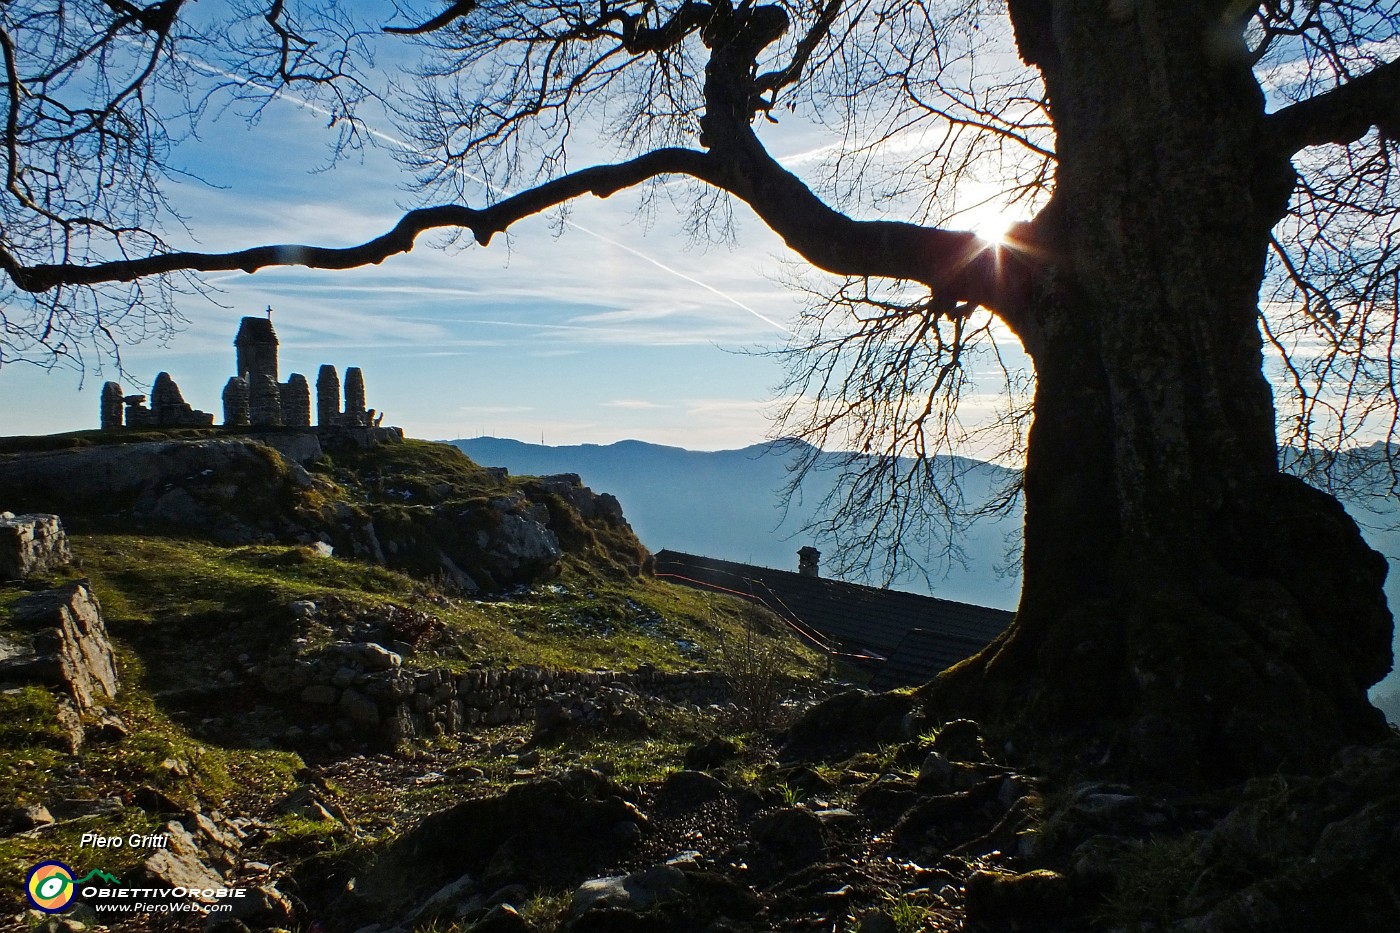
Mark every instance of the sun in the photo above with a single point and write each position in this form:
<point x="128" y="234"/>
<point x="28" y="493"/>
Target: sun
<point x="991" y="224"/>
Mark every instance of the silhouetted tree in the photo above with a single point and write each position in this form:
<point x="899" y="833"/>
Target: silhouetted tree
<point x="1185" y="602"/>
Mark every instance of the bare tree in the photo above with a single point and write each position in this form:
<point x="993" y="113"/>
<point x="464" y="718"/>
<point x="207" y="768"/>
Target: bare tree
<point x="1184" y="601"/>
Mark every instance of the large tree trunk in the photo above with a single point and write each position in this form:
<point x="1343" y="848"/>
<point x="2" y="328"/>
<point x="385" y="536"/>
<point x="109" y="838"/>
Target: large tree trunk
<point x="1197" y="613"/>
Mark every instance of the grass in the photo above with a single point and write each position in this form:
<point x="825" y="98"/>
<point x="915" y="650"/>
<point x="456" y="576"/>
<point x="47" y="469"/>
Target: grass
<point x="1151" y="882"/>
<point x="160" y="591"/>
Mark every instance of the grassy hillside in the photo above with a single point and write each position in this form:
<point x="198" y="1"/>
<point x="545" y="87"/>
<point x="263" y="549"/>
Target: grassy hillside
<point x="193" y="622"/>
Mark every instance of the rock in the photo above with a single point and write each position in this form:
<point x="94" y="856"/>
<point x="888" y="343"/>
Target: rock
<point x="452" y="901"/>
<point x="319" y="695"/>
<point x="23" y="819"/>
<point x="635" y="892"/>
<point x="368" y="655"/>
<point x="359" y="708"/>
<point x="875" y="920"/>
<point x="171" y="869"/>
<point x="503" y="918"/>
<point x="1034" y="900"/>
<point x="847" y="723"/>
<point x="108" y="728"/>
<point x="70" y="721"/>
<point x="263" y="906"/>
<point x="793" y="835"/>
<point x="306" y="803"/>
<point x="837" y="818"/>
<point x="547" y="833"/>
<point x="711" y="754"/>
<point x="31" y="544"/>
<point x="960" y="740"/>
<point x="154" y="801"/>
<point x="140" y="479"/>
<point x="71" y="650"/>
<point x="688" y="790"/>
<point x="302" y="608"/>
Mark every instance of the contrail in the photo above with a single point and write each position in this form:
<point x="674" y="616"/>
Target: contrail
<point x="392" y="140"/>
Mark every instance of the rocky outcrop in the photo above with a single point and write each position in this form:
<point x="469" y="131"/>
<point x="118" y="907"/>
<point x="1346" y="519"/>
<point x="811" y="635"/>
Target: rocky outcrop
<point x="463" y="527"/>
<point x="69" y="651"/>
<point x="31" y="544"/>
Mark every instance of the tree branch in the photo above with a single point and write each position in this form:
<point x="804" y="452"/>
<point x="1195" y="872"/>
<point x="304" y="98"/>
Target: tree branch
<point x="484" y="223"/>
<point x="1343" y="114"/>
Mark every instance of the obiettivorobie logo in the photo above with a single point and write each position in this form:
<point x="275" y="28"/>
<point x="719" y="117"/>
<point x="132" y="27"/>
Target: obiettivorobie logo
<point x="51" y="886"/>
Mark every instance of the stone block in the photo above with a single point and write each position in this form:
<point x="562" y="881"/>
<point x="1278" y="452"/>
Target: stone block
<point x="31" y="544"/>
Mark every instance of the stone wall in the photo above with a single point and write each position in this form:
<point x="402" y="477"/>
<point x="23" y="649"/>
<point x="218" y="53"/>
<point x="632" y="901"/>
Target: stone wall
<point x="31" y="544"/>
<point x="368" y="685"/>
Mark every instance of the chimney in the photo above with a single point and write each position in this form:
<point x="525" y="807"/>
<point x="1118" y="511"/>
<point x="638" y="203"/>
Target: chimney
<point x="809" y="562"/>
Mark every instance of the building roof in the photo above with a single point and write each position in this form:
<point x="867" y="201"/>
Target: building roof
<point x="920" y="655"/>
<point x="855" y="619"/>
<point x="255" y="330"/>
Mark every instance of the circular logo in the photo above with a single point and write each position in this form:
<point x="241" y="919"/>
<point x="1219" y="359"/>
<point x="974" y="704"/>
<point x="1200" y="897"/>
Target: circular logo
<point x="50" y="886"/>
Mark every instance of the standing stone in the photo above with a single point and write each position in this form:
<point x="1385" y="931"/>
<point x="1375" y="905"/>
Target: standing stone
<point x="111" y="406"/>
<point x="166" y="400"/>
<point x="264" y="402"/>
<point x="354" y="396"/>
<point x="327" y="396"/>
<point x="296" y="402"/>
<point x="236" y="411"/>
<point x="169" y="408"/>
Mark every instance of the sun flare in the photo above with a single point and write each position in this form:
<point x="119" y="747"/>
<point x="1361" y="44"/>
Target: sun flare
<point x="991" y="225"/>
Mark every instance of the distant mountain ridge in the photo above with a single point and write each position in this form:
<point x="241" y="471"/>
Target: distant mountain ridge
<point x="727" y="504"/>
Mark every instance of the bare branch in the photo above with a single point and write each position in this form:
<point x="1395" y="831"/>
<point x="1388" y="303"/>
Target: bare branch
<point x="1345" y="114"/>
<point x="484" y="223"/>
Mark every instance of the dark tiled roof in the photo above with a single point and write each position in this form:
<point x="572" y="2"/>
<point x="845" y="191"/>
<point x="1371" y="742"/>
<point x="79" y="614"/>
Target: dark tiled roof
<point x="920" y="655"/>
<point x="858" y="619"/>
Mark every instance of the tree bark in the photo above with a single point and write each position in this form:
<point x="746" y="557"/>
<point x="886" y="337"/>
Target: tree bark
<point x="1188" y="611"/>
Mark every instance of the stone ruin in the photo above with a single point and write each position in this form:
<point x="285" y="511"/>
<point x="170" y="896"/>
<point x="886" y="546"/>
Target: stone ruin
<point x="253" y="397"/>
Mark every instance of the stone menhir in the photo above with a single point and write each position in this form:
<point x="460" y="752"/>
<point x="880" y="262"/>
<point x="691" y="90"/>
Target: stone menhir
<point x="169" y="408"/>
<point x="111" y="406"/>
<point x="355" y="413"/>
<point x="296" y="401"/>
<point x="327" y="396"/>
<point x="256" y="349"/>
<point x="236" y="411"/>
<point x="264" y="402"/>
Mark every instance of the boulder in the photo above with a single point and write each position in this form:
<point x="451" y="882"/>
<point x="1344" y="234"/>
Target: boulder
<point x="793" y="835"/>
<point x="547" y="833"/>
<point x="636" y="892"/>
<point x="847" y="723"/>
<point x="70" y="649"/>
<point x="31" y="544"/>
